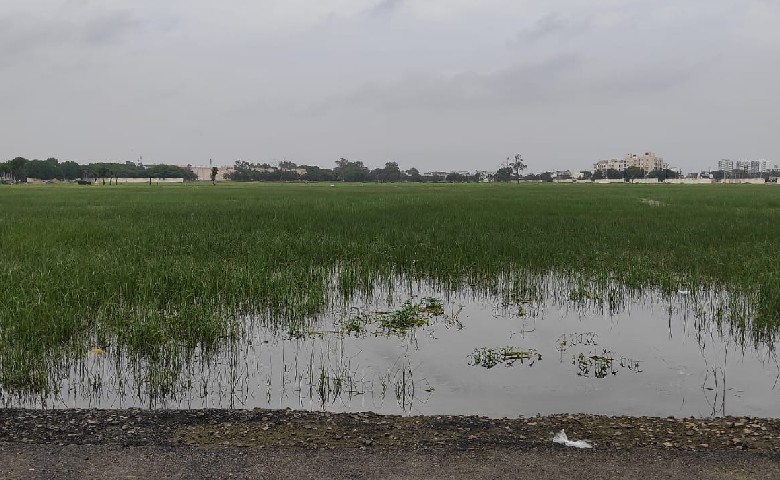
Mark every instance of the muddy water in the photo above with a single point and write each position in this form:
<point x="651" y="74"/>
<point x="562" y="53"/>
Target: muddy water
<point x="648" y="357"/>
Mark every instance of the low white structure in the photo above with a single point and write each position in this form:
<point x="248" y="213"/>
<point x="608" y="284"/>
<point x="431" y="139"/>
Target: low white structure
<point x="138" y="180"/>
<point x="690" y="181"/>
<point x="644" y="180"/>
<point x="609" y="180"/>
<point x="752" y="181"/>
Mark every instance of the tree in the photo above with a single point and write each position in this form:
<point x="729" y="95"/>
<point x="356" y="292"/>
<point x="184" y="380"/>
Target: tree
<point x="317" y="174"/>
<point x="614" y="174"/>
<point x="546" y="176"/>
<point x="70" y="170"/>
<point x="633" y="172"/>
<point x="18" y="167"/>
<point x="665" y="173"/>
<point x="455" y="177"/>
<point x="102" y="172"/>
<point x="414" y="175"/>
<point x="503" y="174"/>
<point x="214" y="171"/>
<point x="517" y="165"/>
<point x="4" y="169"/>
<point x="392" y="172"/>
<point x="351" y="171"/>
<point x="43" y="169"/>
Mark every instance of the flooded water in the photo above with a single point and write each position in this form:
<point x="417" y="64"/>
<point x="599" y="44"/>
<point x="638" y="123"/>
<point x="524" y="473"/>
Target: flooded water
<point x="468" y="355"/>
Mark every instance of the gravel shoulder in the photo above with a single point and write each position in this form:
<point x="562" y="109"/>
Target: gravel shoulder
<point x="286" y="443"/>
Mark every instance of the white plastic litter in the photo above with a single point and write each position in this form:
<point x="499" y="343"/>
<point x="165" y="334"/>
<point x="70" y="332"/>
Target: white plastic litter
<point x="561" y="437"/>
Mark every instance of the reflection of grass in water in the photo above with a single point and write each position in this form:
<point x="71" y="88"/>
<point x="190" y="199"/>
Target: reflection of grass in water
<point x="583" y="294"/>
<point x="165" y="271"/>
<point x="601" y="365"/>
<point x="490" y="357"/>
<point x="597" y="365"/>
<point x="401" y="379"/>
<point x="566" y="341"/>
<point x="332" y="384"/>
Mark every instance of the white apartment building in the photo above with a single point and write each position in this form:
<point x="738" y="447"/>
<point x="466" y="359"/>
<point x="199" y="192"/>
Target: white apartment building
<point x="726" y="165"/>
<point x="752" y="167"/>
<point x="647" y="162"/>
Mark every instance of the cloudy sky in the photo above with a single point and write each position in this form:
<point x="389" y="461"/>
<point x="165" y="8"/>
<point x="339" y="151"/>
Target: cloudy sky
<point x="436" y="84"/>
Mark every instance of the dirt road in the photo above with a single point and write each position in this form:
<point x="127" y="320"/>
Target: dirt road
<point x="289" y="444"/>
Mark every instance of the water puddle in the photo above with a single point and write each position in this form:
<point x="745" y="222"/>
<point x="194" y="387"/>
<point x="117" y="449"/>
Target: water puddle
<point x="419" y="351"/>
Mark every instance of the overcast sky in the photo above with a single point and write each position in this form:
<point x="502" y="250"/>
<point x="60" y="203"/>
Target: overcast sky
<point x="436" y="84"/>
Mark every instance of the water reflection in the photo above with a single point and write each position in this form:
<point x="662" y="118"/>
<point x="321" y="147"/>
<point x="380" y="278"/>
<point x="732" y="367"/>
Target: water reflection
<point x="564" y="346"/>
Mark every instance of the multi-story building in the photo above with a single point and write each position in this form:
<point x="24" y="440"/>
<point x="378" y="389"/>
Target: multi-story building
<point x="726" y="165"/>
<point x="750" y="167"/>
<point x="647" y="162"/>
<point x="613" y="164"/>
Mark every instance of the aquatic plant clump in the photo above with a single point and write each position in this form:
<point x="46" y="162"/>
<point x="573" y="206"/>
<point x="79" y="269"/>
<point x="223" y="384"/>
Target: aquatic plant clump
<point x="410" y="316"/>
<point x="507" y="356"/>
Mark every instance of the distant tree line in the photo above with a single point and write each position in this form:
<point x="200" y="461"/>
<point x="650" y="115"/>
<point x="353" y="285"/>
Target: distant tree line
<point x="344" y="171"/>
<point x="766" y="175"/>
<point x="19" y="169"/>
<point x="631" y="173"/>
<point x="354" y="171"/>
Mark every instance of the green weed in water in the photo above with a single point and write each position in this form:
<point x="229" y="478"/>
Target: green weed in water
<point x="408" y="317"/>
<point x="490" y="357"/>
<point x="604" y="364"/>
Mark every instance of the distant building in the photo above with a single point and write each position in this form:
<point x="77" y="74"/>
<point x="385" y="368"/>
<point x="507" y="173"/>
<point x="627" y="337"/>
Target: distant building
<point x="647" y="162"/>
<point x="726" y="165"/>
<point x="204" y="173"/>
<point x="750" y="167"/>
<point x="485" y="175"/>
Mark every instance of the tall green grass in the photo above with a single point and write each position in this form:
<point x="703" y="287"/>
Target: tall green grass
<point x="158" y="272"/>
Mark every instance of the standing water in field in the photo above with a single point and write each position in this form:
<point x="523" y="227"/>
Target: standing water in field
<point x="413" y="349"/>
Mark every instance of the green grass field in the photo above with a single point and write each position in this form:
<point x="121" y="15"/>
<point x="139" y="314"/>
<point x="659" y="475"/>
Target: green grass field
<point x="161" y="269"/>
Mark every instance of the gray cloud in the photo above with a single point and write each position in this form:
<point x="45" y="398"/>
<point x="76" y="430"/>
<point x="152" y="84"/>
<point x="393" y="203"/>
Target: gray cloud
<point x="385" y="7"/>
<point x="517" y="85"/>
<point x="110" y="27"/>
<point x="25" y="35"/>
<point x="550" y="25"/>
<point x="558" y="80"/>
